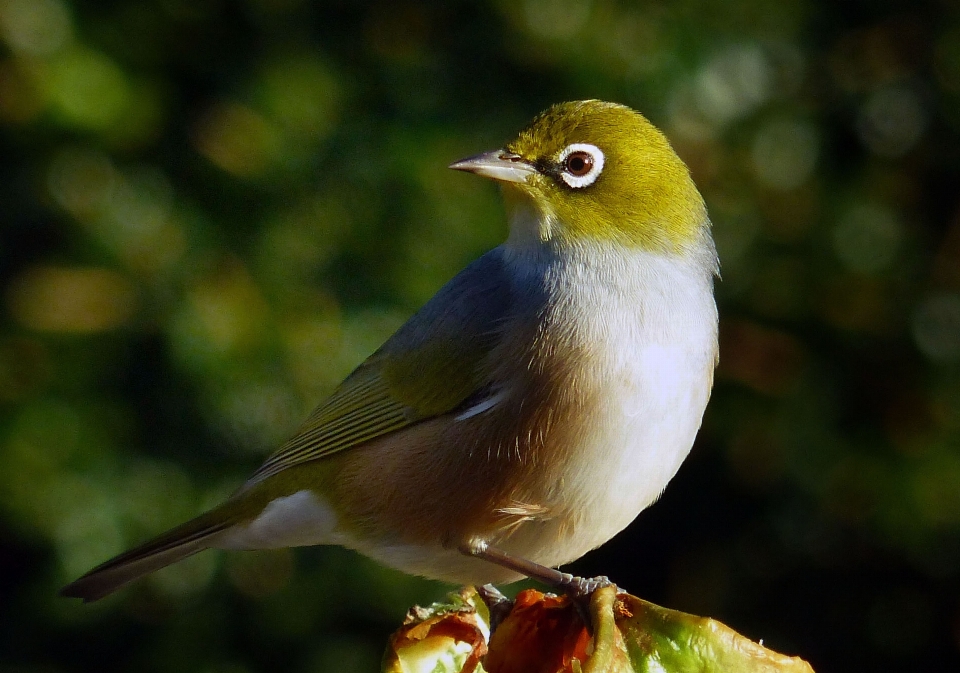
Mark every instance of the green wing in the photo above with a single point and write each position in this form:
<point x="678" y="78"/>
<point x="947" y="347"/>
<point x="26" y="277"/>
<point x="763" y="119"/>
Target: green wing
<point x="433" y="364"/>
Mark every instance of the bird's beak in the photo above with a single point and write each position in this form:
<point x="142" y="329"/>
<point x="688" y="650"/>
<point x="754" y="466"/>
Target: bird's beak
<point x="498" y="164"/>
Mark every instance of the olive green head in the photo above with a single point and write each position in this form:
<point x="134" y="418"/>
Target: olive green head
<point x="600" y="171"/>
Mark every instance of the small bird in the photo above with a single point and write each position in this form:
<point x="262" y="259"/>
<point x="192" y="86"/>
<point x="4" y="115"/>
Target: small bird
<point x="533" y="407"/>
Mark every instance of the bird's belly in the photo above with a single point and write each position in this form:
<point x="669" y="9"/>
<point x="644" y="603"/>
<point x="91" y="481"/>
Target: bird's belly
<point x="646" y="418"/>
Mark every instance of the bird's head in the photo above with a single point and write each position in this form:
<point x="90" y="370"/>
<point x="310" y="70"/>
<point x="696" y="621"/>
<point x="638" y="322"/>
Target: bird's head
<point x="590" y="170"/>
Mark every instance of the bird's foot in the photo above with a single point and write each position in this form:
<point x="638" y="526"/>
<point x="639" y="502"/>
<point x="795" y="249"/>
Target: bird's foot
<point x="580" y="591"/>
<point x="582" y="588"/>
<point x="498" y="604"/>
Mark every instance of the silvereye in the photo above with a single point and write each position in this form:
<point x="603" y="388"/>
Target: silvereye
<point x="533" y="407"/>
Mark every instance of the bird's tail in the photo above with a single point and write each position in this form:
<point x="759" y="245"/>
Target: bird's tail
<point x="174" y="545"/>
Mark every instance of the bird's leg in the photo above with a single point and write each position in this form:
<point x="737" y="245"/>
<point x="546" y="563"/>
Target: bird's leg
<point x="578" y="588"/>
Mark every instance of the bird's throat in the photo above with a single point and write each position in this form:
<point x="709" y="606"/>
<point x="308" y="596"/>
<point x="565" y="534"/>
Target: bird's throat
<point x="531" y="223"/>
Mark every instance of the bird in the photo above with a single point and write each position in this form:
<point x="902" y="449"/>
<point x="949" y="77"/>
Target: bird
<point x="533" y="407"/>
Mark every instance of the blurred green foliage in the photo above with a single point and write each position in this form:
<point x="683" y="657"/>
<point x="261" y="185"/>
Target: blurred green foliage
<point x="210" y="211"/>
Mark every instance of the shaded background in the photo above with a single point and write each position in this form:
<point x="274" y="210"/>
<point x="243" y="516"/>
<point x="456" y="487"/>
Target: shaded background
<point x="210" y="211"/>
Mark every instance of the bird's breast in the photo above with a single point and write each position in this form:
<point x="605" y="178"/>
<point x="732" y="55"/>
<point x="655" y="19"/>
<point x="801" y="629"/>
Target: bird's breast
<point x="623" y="364"/>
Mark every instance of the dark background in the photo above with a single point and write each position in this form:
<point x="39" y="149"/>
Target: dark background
<point x="210" y="211"/>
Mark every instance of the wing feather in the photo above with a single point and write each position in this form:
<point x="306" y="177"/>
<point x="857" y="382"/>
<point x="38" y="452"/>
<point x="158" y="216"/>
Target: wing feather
<point x="434" y="363"/>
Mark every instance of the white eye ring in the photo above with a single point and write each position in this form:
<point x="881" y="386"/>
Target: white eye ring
<point x="588" y="178"/>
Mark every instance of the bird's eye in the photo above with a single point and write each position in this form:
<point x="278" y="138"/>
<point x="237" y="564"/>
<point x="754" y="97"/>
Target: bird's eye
<point x="580" y="164"/>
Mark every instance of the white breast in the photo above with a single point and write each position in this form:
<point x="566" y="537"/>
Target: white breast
<point x="650" y="322"/>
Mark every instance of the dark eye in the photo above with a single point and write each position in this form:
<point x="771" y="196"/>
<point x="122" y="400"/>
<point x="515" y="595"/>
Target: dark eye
<point x="578" y="163"/>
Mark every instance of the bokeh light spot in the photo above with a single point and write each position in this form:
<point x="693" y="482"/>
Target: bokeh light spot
<point x="21" y="96"/>
<point x="867" y="238"/>
<point x="44" y="436"/>
<point x="89" y="89"/>
<point x="139" y="223"/>
<point x="302" y="95"/>
<point x="936" y="327"/>
<point x="35" y="27"/>
<point x="300" y="239"/>
<point x="733" y="83"/>
<point x="58" y="299"/>
<point x="225" y="313"/>
<point x="309" y="340"/>
<point x="638" y="39"/>
<point x="81" y="180"/>
<point x="158" y="495"/>
<point x="257" y="415"/>
<point x="556" y="19"/>
<point x="89" y="531"/>
<point x="785" y="153"/>
<point x="891" y="121"/>
<point x="238" y="139"/>
<point x="131" y="212"/>
<point x="936" y="490"/>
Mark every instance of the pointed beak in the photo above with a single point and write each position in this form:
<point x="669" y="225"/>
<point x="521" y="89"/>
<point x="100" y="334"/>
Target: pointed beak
<point x="498" y="164"/>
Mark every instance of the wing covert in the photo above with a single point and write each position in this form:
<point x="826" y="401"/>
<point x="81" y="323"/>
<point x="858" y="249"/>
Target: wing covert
<point x="430" y="366"/>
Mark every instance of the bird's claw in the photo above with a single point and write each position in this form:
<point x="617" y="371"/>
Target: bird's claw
<point x="582" y="588"/>
<point x="498" y="604"/>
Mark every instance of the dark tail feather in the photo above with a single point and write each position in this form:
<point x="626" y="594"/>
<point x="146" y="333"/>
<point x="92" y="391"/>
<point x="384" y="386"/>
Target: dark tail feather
<point x="170" y="547"/>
